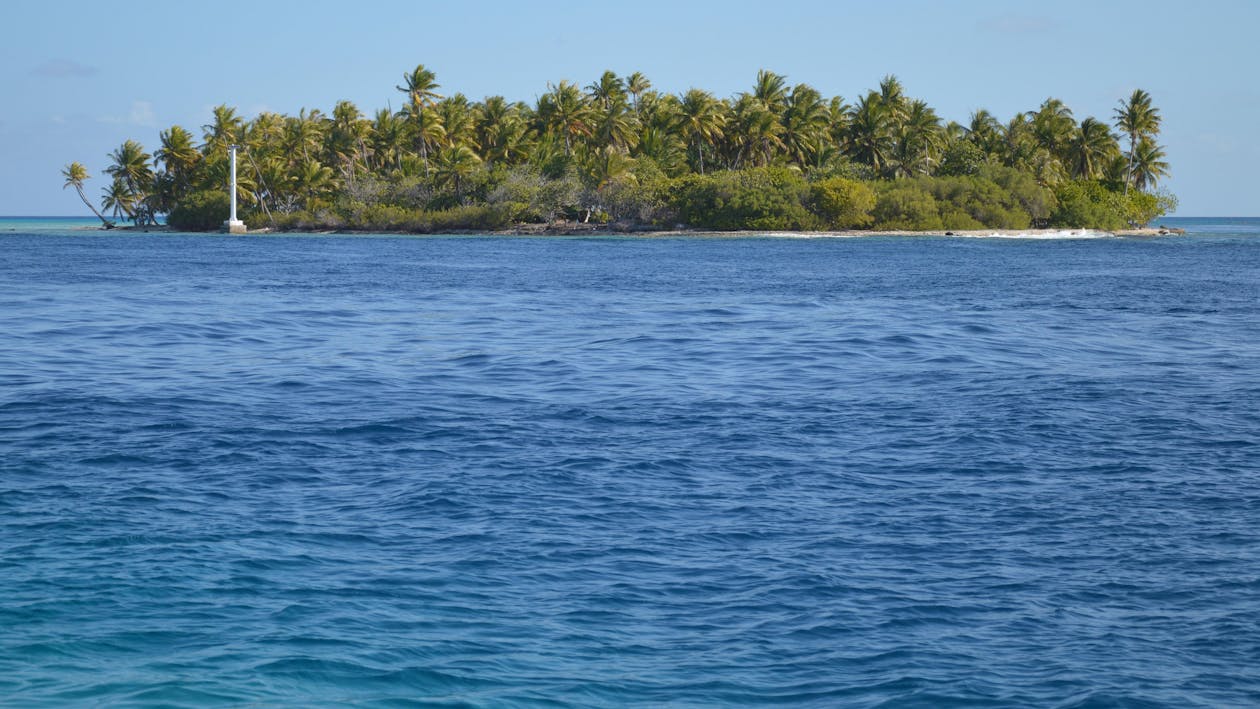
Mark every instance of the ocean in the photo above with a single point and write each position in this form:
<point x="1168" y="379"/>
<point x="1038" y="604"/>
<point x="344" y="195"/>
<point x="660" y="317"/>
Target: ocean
<point x="384" y="471"/>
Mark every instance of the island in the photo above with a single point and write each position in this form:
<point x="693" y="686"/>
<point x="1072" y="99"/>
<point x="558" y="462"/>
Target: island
<point x="617" y="155"/>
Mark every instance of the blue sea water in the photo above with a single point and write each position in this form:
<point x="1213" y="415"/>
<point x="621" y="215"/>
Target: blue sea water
<point x="496" y="471"/>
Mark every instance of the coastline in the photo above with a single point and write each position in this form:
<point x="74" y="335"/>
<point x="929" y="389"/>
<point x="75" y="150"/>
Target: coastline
<point x="579" y="229"/>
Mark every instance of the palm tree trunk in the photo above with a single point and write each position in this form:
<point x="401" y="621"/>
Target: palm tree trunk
<point x="108" y="223"/>
<point x="1128" y="173"/>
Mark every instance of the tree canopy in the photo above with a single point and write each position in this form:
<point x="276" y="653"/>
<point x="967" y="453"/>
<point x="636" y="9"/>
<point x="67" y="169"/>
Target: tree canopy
<point x="617" y="149"/>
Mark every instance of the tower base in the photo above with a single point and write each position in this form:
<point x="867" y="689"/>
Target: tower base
<point x="234" y="226"/>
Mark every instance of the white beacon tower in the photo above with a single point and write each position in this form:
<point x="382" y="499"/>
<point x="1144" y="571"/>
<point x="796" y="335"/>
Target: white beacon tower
<point x="234" y="225"/>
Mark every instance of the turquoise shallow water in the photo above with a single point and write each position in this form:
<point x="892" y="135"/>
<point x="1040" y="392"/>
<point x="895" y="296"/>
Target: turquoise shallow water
<point x="603" y="472"/>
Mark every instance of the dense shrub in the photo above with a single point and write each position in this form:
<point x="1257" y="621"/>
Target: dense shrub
<point x="470" y="217"/>
<point x="976" y="202"/>
<point x="1038" y="201"/>
<point x="961" y="158"/>
<point x="201" y="211"/>
<point x="759" y="198"/>
<point x="906" y="205"/>
<point x="1088" y="203"/>
<point x="842" y="204"/>
<point x="1144" y="207"/>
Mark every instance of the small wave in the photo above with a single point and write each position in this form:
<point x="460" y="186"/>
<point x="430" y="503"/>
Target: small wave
<point x="1035" y="234"/>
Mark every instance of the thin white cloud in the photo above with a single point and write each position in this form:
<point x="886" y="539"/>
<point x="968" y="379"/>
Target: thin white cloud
<point x="63" y="69"/>
<point x="140" y="114"/>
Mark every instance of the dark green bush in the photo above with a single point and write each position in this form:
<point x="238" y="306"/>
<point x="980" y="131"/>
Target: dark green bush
<point x="842" y="204"/>
<point x="759" y="198"/>
<point x="907" y="205"/>
<point x="207" y="210"/>
<point x="1089" y="204"/>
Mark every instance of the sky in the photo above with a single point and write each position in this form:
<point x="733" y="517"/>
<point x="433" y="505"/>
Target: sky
<point x="79" y="77"/>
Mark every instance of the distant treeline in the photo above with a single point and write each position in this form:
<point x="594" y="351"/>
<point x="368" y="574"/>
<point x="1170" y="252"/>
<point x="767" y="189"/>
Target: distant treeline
<point x="775" y="157"/>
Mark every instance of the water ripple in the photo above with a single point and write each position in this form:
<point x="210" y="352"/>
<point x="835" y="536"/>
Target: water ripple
<point x="481" y="472"/>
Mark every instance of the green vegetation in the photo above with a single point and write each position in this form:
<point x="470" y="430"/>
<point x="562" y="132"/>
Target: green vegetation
<point x="777" y="157"/>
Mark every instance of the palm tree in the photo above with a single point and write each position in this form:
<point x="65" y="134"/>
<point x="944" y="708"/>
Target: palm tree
<point x="1136" y="118"/>
<point x="76" y="175"/>
<point x="771" y="89"/>
<point x="131" y="165"/>
<point x="985" y="132"/>
<point x="663" y="147"/>
<point x="132" y="173"/>
<point x="754" y="131"/>
<point x="805" y="119"/>
<point x="312" y="181"/>
<point x="870" y="139"/>
<point x="226" y="129"/>
<point x="387" y="140"/>
<point x="609" y="89"/>
<point x="614" y="126"/>
<point x="179" y="158"/>
<point x="500" y="130"/>
<point x="564" y="111"/>
<point x="454" y="164"/>
<point x="637" y="84"/>
<point x="1146" y="164"/>
<point x="918" y="141"/>
<point x="426" y="129"/>
<point x="346" y="143"/>
<point x="1090" y="149"/>
<point x="700" y="120"/>
<point x="892" y="95"/>
<point x="120" y="199"/>
<point x="458" y="121"/>
<point x="264" y="135"/>
<point x="1053" y="126"/>
<point x="419" y="86"/>
<point x="837" y="120"/>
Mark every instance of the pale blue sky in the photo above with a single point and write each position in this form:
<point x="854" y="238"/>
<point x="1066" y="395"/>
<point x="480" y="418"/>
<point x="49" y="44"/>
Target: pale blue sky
<point x="80" y="77"/>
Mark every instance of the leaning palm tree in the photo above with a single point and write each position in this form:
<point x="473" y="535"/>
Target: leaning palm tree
<point x="1138" y="119"/>
<point x="76" y="175"/>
